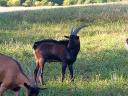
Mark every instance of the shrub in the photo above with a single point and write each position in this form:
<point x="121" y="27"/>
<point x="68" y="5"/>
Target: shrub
<point x="59" y="2"/>
<point x="38" y="3"/>
<point x="80" y="1"/>
<point x="3" y="3"/>
<point x="50" y="3"/>
<point x="101" y="1"/>
<point x="56" y="4"/>
<point x="66" y="2"/>
<point x="44" y="2"/>
<point x="13" y="2"/>
<point x="28" y="3"/>
<point x="90" y="1"/>
<point x="69" y="2"/>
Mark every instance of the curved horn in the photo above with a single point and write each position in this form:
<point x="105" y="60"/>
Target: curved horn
<point x="72" y="30"/>
<point x="76" y="30"/>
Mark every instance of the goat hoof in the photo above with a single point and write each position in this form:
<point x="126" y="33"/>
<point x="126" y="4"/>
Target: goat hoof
<point x="42" y="83"/>
<point x="72" y="79"/>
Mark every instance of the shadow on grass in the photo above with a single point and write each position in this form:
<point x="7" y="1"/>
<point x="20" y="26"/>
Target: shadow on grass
<point x="99" y="88"/>
<point x="83" y="89"/>
<point x="103" y="63"/>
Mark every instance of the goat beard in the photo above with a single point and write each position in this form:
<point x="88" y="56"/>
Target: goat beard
<point x="126" y="46"/>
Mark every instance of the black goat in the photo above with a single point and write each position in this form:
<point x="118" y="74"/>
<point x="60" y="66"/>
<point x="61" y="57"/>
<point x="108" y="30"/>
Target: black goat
<point x="64" y="51"/>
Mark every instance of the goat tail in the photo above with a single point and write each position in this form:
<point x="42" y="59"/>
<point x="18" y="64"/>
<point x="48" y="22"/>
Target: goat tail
<point x="34" y="46"/>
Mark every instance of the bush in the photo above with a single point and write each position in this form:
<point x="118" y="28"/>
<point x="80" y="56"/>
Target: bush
<point x="66" y="2"/>
<point x="3" y="3"/>
<point x="59" y="2"/>
<point x="56" y="4"/>
<point x="90" y="1"/>
<point x="13" y="2"/>
<point x="80" y="1"/>
<point x="50" y="3"/>
<point x="70" y="2"/>
<point x="38" y="3"/>
<point x="44" y="2"/>
<point x="28" y="3"/>
<point x="101" y="1"/>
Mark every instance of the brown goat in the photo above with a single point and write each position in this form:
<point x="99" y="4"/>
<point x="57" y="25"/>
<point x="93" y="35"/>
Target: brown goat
<point x="64" y="51"/>
<point x="12" y="77"/>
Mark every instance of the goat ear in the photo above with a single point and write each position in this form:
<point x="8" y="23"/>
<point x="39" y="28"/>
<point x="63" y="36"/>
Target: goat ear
<point x="26" y="85"/>
<point x="66" y="36"/>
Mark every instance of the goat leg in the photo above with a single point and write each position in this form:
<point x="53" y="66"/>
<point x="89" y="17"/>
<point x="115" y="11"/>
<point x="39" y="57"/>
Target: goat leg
<point x="16" y="93"/>
<point x="40" y="77"/>
<point x="35" y="73"/>
<point x="70" y="67"/>
<point x="41" y="66"/>
<point x="64" y="66"/>
<point x="2" y="89"/>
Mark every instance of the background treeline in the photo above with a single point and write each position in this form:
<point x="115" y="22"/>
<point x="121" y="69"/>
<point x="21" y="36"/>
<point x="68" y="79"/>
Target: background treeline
<point x="50" y="2"/>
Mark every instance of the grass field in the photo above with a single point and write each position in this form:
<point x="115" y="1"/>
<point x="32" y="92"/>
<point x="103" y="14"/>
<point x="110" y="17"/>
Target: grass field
<point x="101" y="68"/>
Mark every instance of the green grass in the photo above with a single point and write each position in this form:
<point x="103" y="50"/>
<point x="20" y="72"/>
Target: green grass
<point x="101" y="68"/>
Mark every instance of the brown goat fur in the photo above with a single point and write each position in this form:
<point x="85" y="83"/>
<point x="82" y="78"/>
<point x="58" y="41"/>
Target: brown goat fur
<point x="12" y="77"/>
<point x="64" y="51"/>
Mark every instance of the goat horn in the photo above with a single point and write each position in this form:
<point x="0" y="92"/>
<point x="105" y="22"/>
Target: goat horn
<point x="72" y="30"/>
<point x="76" y="30"/>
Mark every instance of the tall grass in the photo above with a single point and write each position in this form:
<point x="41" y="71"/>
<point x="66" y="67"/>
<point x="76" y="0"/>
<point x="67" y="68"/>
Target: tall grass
<point x="102" y="63"/>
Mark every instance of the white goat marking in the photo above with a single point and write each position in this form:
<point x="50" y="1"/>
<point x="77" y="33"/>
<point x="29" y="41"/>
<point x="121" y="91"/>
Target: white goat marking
<point x="126" y="46"/>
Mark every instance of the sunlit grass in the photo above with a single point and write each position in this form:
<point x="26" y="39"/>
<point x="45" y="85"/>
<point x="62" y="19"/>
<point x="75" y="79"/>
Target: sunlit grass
<point x="101" y="68"/>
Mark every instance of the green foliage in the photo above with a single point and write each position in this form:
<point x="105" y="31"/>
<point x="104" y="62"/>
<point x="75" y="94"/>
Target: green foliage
<point x="66" y="2"/>
<point x="90" y="1"/>
<point x="70" y="2"/>
<point x="59" y="2"/>
<point x="51" y="2"/>
<point x="48" y="2"/>
<point x="112" y="0"/>
<point x="101" y="1"/>
<point x="44" y="2"/>
<point x="3" y="3"/>
<point x="104" y="1"/>
<point x="13" y="2"/>
<point x="38" y="3"/>
<point x="56" y="4"/>
<point x="73" y="2"/>
<point x="28" y="3"/>
<point x="81" y="1"/>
